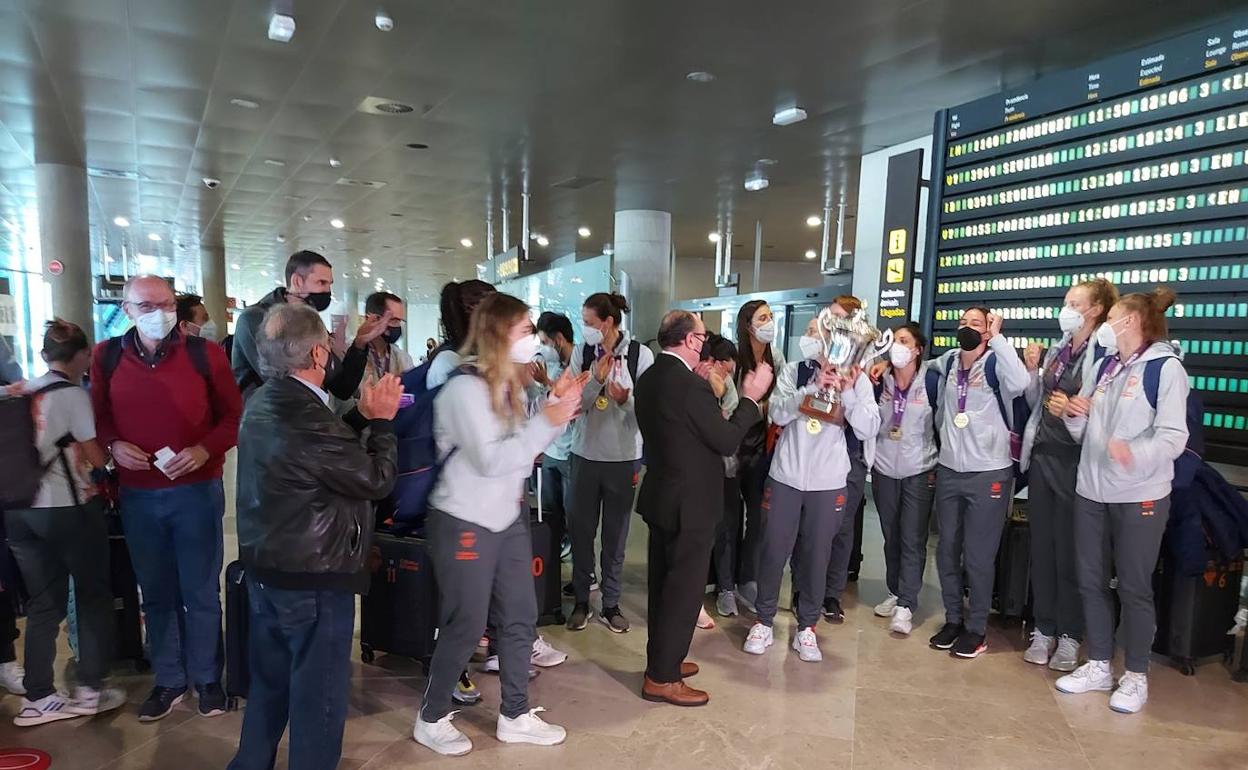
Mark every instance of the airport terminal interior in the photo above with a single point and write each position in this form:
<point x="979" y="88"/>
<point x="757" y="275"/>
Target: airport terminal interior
<point x="927" y="157"/>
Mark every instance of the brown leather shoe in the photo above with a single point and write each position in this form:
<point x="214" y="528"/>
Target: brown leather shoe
<point x="675" y="693"/>
<point x="688" y="669"/>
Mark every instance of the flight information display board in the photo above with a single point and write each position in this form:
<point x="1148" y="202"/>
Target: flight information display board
<point x="1134" y="169"/>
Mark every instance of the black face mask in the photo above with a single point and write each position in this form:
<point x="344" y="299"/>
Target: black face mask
<point x="331" y="369"/>
<point x="318" y="300"/>
<point x="392" y="334"/>
<point x="968" y="338"/>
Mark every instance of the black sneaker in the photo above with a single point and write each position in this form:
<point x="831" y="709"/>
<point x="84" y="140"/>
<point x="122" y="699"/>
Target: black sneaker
<point x="832" y="610"/>
<point x="946" y="636"/>
<point x="970" y="645"/>
<point x="212" y="702"/>
<point x="580" y="616"/>
<point x="160" y="703"/>
<point x="852" y="576"/>
<point x="569" y="590"/>
<point x="613" y="619"/>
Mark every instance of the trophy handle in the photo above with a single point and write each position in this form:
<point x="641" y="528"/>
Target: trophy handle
<point x="880" y="346"/>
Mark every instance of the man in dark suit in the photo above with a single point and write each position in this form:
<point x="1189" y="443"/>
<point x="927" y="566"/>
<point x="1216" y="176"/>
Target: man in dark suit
<point x="681" y="499"/>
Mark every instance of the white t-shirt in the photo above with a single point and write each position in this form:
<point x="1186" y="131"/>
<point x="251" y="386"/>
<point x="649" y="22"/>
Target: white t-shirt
<point x="57" y="413"/>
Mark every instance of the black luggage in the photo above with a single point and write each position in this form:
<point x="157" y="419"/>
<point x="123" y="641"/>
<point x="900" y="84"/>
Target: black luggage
<point x="126" y="607"/>
<point x="400" y="613"/>
<point x="237" y="634"/>
<point x="547" y="573"/>
<point x="1194" y="613"/>
<point x="1012" y="592"/>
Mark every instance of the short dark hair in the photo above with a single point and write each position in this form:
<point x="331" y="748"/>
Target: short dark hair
<point x="376" y="302"/>
<point x="62" y="341"/>
<point x="186" y="306"/>
<point x="674" y="327"/>
<point x="550" y="324"/>
<point x="720" y="348"/>
<point x="301" y="262"/>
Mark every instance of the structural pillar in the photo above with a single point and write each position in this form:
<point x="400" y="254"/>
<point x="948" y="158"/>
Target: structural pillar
<point x="352" y="299"/>
<point x="65" y="236"/>
<point x="643" y="251"/>
<point x="212" y="285"/>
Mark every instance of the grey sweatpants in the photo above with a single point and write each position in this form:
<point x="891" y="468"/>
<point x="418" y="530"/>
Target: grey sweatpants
<point x="841" y="549"/>
<point x="905" y="507"/>
<point x="1051" y="516"/>
<point x="810" y="520"/>
<point x="972" y="508"/>
<point x="1121" y="539"/>
<point x="484" y="578"/>
<point x="600" y="490"/>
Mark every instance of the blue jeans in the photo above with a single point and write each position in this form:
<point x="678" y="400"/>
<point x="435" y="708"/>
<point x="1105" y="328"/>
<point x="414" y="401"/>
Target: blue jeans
<point x="300" y="658"/>
<point x="174" y="536"/>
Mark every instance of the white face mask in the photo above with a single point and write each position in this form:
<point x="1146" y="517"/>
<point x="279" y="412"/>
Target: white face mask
<point x="157" y="324"/>
<point x="1106" y="338"/>
<point x="765" y="333"/>
<point x="592" y="335"/>
<point x="548" y="354"/>
<point x="900" y="355"/>
<point x="1069" y="320"/>
<point x="525" y="349"/>
<point x="811" y="347"/>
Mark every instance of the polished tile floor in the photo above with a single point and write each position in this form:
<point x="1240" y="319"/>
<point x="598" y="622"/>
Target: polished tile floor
<point x="875" y="702"/>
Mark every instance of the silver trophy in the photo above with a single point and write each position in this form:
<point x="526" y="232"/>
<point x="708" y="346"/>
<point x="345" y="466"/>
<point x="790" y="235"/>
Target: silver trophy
<point x="848" y="342"/>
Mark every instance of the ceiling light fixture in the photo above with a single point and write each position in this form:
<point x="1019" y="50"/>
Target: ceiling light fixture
<point x="767" y="161"/>
<point x="334" y="163"/>
<point x="307" y="217"/>
<point x="810" y="254"/>
<point x="121" y="221"/>
<point x="281" y="239"/>
<point x="543" y="241"/>
<point x="336" y="223"/>
<point x="236" y="266"/>
<point x="713" y="237"/>
<point x="274" y="162"/>
<point x="383" y="20"/>
<point x="700" y="76"/>
<point x="366" y="261"/>
<point x="246" y="104"/>
<point x="789" y="116"/>
<point x="281" y="27"/>
<point x="813" y="220"/>
<point x="756" y="182"/>
<point x="153" y="236"/>
<point x="583" y="231"/>
<point x="466" y="243"/>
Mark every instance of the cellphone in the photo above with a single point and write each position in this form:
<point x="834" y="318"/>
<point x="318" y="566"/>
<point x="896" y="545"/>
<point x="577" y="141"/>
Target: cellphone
<point x="163" y="456"/>
<point x="406" y="400"/>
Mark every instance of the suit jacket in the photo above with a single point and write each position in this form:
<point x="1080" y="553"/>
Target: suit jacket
<point x="686" y="438"/>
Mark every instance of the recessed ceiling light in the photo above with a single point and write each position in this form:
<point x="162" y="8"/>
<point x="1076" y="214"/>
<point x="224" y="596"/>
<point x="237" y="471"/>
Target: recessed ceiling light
<point x="583" y="232"/>
<point x="121" y="221"/>
<point x="153" y="236"/>
<point x="767" y="161"/>
<point x="334" y="163"/>
<point x="383" y="20"/>
<point x="336" y="223"/>
<point x="307" y="217"/>
<point x="813" y="220"/>
<point x="366" y="261"/>
<point x="236" y="266"/>
<point x="417" y="146"/>
<point x="274" y="162"/>
<point x="756" y="182"/>
<point x="700" y="76"/>
<point x="543" y="241"/>
<point x="788" y="116"/>
<point x="281" y="27"/>
<point x="713" y="237"/>
<point x="246" y="104"/>
<point x="810" y="254"/>
<point x="466" y="243"/>
<point x="281" y="239"/>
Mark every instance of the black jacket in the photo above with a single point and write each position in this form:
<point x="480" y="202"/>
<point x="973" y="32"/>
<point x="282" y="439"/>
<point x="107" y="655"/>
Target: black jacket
<point x="306" y="482"/>
<point x="246" y="361"/>
<point x="686" y="439"/>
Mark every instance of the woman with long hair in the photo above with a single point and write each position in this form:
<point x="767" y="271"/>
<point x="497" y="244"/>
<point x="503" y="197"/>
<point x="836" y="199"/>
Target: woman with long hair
<point x="1132" y="421"/>
<point x="477" y="529"/>
<point x="736" y="554"/>
<point x="1051" y="457"/>
<point x="457" y="302"/>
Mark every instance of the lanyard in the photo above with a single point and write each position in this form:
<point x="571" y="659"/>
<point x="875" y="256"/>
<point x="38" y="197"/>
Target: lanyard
<point x="899" y="401"/>
<point x="1064" y="357"/>
<point x="1112" y="371"/>
<point x="964" y="381"/>
<point x="380" y="365"/>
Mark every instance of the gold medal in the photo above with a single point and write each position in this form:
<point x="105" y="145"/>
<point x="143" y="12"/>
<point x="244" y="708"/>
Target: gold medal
<point x="814" y="427"/>
<point x="601" y="403"/>
<point x="894" y="433"/>
<point x="961" y="420"/>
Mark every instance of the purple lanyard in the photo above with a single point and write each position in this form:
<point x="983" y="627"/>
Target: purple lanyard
<point x="899" y="403"/>
<point x="964" y="377"/>
<point x="1112" y="371"/>
<point x="380" y="365"/>
<point x="1063" y="360"/>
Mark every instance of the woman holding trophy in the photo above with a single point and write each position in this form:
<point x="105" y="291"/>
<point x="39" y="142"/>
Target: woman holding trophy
<point x="816" y="402"/>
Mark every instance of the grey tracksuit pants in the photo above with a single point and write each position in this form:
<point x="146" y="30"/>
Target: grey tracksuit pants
<point x="599" y="490"/>
<point x="972" y="508"/>
<point x="1121" y="539"/>
<point x="484" y="578"/>
<point x="841" y="548"/>
<point x="905" y="508"/>
<point x="1051" y="516"/>
<point x="810" y="520"/>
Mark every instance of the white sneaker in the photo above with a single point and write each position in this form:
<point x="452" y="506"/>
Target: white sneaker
<point x="52" y="708"/>
<point x="442" y="736"/>
<point x="529" y="728"/>
<point x="1093" y="676"/>
<point x="545" y="654"/>
<point x="11" y="676"/>
<point x="885" y="608"/>
<point x="807" y="646"/>
<point x="1066" y="657"/>
<point x="759" y="640"/>
<point x="903" y="621"/>
<point x="88" y="701"/>
<point x="1131" y="695"/>
<point x="491" y="665"/>
<point x="1041" y="648"/>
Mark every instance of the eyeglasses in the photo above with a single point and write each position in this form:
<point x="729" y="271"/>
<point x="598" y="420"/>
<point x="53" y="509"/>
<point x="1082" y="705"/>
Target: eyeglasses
<point x="150" y="307"/>
<point x="701" y="335"/>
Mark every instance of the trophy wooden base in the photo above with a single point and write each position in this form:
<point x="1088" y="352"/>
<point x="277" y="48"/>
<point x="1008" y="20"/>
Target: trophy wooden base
<point x="821" y="407"/>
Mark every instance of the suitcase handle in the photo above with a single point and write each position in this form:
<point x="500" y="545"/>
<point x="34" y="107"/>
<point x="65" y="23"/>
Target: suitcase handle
<point x="539" y="494"/>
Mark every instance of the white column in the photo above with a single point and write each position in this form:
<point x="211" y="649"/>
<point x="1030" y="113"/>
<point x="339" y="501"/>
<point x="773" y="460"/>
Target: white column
<point x="643" y="249"/>
<point x="212" y="284"/>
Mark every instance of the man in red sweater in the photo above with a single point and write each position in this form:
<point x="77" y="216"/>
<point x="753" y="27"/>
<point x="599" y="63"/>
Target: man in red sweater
<point x="167" y="408"/>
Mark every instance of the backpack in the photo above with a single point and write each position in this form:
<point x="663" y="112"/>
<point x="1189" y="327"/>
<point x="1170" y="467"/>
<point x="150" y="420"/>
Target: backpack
<point x="931" y="383"/>
<point x="1186" y="464"/>
<point x="21" y="468"/>
<point x="1015" y="415"/>
<point x="196" y="348"/>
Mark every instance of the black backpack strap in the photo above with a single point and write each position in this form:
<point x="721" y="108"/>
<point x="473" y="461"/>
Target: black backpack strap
<point x="587" y="357"/>
<point x="197" y="349"/>
<point x="113" y="350"/>
<point x="63" y="441"/>
<point x="633" y="360"/>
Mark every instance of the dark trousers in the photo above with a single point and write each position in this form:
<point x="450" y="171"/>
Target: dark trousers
<point x="847" y="545"/>
<point x="752" y="474"/>
<point x="1123" y="540"/>
<point x="50" y="545"/>
<point x="484" y="578"/>
<point x="728" y="537"/>
<point x="807" y="522"/>
<point x="174" y="537"/>
<point x="1051" y="515"/>
<point x="600" y="491"/>
<point x="8" y="628"/>
<point x="972" y="508"/>
<point x="676" y="577"/>
<point x="556" y="494"/>
<point x="905" y="508"/>
<point x="299" y="654"/>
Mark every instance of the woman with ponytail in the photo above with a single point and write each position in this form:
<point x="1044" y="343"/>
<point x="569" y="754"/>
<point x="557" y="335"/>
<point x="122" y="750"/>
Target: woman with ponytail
<point x="1132" y="421"/>
<point x="457" y="302"/>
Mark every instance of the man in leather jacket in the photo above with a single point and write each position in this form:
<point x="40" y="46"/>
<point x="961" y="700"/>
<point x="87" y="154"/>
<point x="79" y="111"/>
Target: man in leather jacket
<point x="306" y="482"/>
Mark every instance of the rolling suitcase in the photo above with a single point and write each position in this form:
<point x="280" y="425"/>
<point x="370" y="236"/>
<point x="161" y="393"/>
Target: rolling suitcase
<point x="399" y="615"/>
<point x="1012" y="594"/>
<point x="1194" y="613"/>
<point x="546" y="568"/>
<point x="237" y="633"/>
<point x="126" y="604"/>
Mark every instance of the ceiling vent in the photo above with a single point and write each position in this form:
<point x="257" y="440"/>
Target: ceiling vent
<point x="577" y="182"/>
<point x="378" y="105"/>
<point x="112" y="173"/>
<point x="357" y="230"/>
<point x="441" y="249"/>
<point x="372" y="184"/>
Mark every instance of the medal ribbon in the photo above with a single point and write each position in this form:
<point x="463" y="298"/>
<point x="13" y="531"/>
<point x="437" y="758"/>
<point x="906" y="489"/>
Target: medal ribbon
<point x="1112" y="371"/>
<point x="899" y="403"/>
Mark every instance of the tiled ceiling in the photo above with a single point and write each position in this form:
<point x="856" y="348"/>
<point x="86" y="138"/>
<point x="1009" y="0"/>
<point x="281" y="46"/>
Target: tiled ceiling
<point x="505" y="93"/>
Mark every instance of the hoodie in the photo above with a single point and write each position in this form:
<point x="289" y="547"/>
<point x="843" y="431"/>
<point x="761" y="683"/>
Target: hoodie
<point x="916" y="451"/>
<point x="984" y="444"/>
<point x="609" y="435"/>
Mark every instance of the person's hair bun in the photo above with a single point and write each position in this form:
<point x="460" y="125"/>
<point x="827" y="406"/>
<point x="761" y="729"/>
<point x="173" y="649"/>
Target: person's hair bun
<point x="1162" y="298"/>
<point x="619" y="302"/>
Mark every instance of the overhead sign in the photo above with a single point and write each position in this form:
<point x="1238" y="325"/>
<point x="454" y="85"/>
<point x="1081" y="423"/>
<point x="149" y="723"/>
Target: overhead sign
<point x="901" y="220"/>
